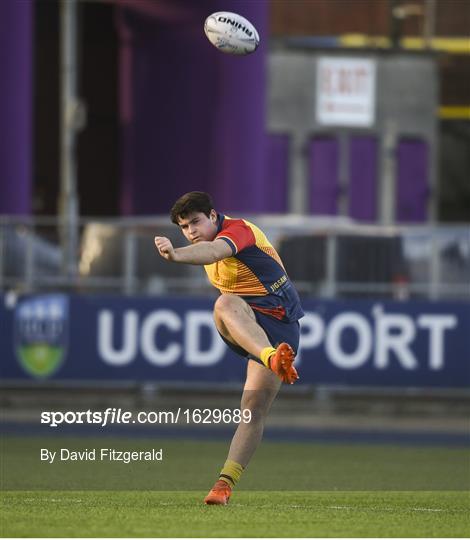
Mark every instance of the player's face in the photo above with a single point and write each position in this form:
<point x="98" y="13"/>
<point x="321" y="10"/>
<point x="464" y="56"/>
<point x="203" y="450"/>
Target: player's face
<point x="198" y="227"/>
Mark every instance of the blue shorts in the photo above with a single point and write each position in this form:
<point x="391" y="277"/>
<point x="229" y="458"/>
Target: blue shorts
<point x="277" y="332"/>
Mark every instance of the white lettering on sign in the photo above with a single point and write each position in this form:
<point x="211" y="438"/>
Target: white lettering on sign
<point x="390" y="337"/>
<point x="195" y="356"/>
<point x="394" y="332"/>
<point x="148" y="342"/>
<point x="437" y="325"/>
<point x="349" y="340"/>
<point x="312" y="332"/>
<point x="106" y="349"/>
<point x="359" y="325"/>
<point x="144" y="336"/>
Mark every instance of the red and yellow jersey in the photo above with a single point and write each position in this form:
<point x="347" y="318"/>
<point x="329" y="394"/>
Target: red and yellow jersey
<point x="254" y="271"/>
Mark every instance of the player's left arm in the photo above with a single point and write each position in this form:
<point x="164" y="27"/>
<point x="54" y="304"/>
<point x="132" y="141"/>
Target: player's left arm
<point x="200" y="253"/>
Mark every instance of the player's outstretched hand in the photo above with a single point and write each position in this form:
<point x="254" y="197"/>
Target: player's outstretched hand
<point x="165" y="248"/>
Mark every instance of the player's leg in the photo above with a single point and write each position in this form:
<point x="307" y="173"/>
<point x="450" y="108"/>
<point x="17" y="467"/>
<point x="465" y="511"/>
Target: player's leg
<point x="236" y="322"/>
<point x="243" y="331"/>
<point x="261" y="387"/>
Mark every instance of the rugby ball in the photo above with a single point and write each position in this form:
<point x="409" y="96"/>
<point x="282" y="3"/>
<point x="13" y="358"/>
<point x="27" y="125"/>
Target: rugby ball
<point x="231" y="33"/>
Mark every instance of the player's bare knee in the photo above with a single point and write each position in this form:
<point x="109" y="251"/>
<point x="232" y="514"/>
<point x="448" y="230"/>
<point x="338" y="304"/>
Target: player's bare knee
<point x="228" y="304"/>
<point x="224" y="303"/>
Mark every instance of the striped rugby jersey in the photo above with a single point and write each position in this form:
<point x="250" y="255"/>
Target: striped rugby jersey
<point x="254" y="271"/>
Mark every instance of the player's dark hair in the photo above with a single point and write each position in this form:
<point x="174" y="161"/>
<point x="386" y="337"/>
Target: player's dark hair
<point x="194" y="201"/>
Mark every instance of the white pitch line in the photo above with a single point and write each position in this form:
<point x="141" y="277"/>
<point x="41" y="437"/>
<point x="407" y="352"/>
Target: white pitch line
<point x="385" y="508"/>
<point x="338" y="507"/>
<point x="45" y="499"/>
<point x="305" y="507"/>
<point x="428" y="509"/>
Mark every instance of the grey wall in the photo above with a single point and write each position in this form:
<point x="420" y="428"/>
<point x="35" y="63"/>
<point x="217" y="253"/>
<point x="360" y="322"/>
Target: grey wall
<point x="406" y="105"/>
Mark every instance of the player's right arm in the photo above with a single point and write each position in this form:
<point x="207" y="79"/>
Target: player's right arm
<point x="200" y="253"/>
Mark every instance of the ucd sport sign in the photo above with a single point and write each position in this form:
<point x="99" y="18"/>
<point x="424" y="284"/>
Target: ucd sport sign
<point x="173" y="339"/>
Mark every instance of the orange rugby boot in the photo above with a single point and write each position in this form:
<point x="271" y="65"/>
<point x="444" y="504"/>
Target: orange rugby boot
<point x="281" y="363"/>
<point x="219" y="494"/>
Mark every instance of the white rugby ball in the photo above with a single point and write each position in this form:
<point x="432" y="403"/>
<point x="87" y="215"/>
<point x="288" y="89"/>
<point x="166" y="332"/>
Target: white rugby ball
<point x="231" y="33"/>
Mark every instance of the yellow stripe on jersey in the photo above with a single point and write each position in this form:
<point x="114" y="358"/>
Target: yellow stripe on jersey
<point x="269" y="250"/>
<point x="231" y="275"/>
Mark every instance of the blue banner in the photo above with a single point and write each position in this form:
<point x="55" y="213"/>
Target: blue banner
<point x="359" y="343"/>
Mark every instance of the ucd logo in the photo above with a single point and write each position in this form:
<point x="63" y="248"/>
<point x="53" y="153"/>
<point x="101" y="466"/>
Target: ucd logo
<point x="41" y="333"/>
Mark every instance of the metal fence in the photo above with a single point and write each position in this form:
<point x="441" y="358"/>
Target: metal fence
<point x="325" y="257"/>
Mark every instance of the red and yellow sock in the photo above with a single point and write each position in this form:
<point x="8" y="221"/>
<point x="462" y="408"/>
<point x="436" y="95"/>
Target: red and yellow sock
<point x="266" y="354"/>
<point x="231" y="472"/>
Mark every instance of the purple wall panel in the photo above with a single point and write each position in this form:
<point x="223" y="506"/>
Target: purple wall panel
<point x="323" y="174"/>
<point x="239" y="141"/>
<point x="412" y="181"/>
<point x="165" y="122"/>
<point x="363" y="178"/>
<point x="277" y="171"/>
<point x="15" y="106"/>
<point x="193" y="119"/>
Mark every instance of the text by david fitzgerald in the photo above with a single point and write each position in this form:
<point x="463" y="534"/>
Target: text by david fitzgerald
<point x="101" y="454"/>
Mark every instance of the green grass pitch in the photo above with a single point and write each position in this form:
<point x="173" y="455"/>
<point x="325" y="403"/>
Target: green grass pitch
<point x="289" y="490"/>
<point x="249" y="514"/>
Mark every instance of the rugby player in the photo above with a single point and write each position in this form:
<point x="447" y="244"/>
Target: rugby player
<point x="256" y="314"/>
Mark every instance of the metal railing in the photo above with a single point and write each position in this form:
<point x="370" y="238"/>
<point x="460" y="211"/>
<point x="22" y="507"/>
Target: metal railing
<point x="325" y="257"/>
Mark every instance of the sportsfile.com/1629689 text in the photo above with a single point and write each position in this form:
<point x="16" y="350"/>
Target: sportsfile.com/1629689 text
<point x="114" y="415"/>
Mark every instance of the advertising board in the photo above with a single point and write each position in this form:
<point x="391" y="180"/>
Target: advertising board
<point x="93" y="338"/>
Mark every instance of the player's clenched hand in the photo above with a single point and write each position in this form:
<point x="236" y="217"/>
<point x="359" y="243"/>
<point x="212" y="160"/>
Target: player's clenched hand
<point x="165" y="248"/>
